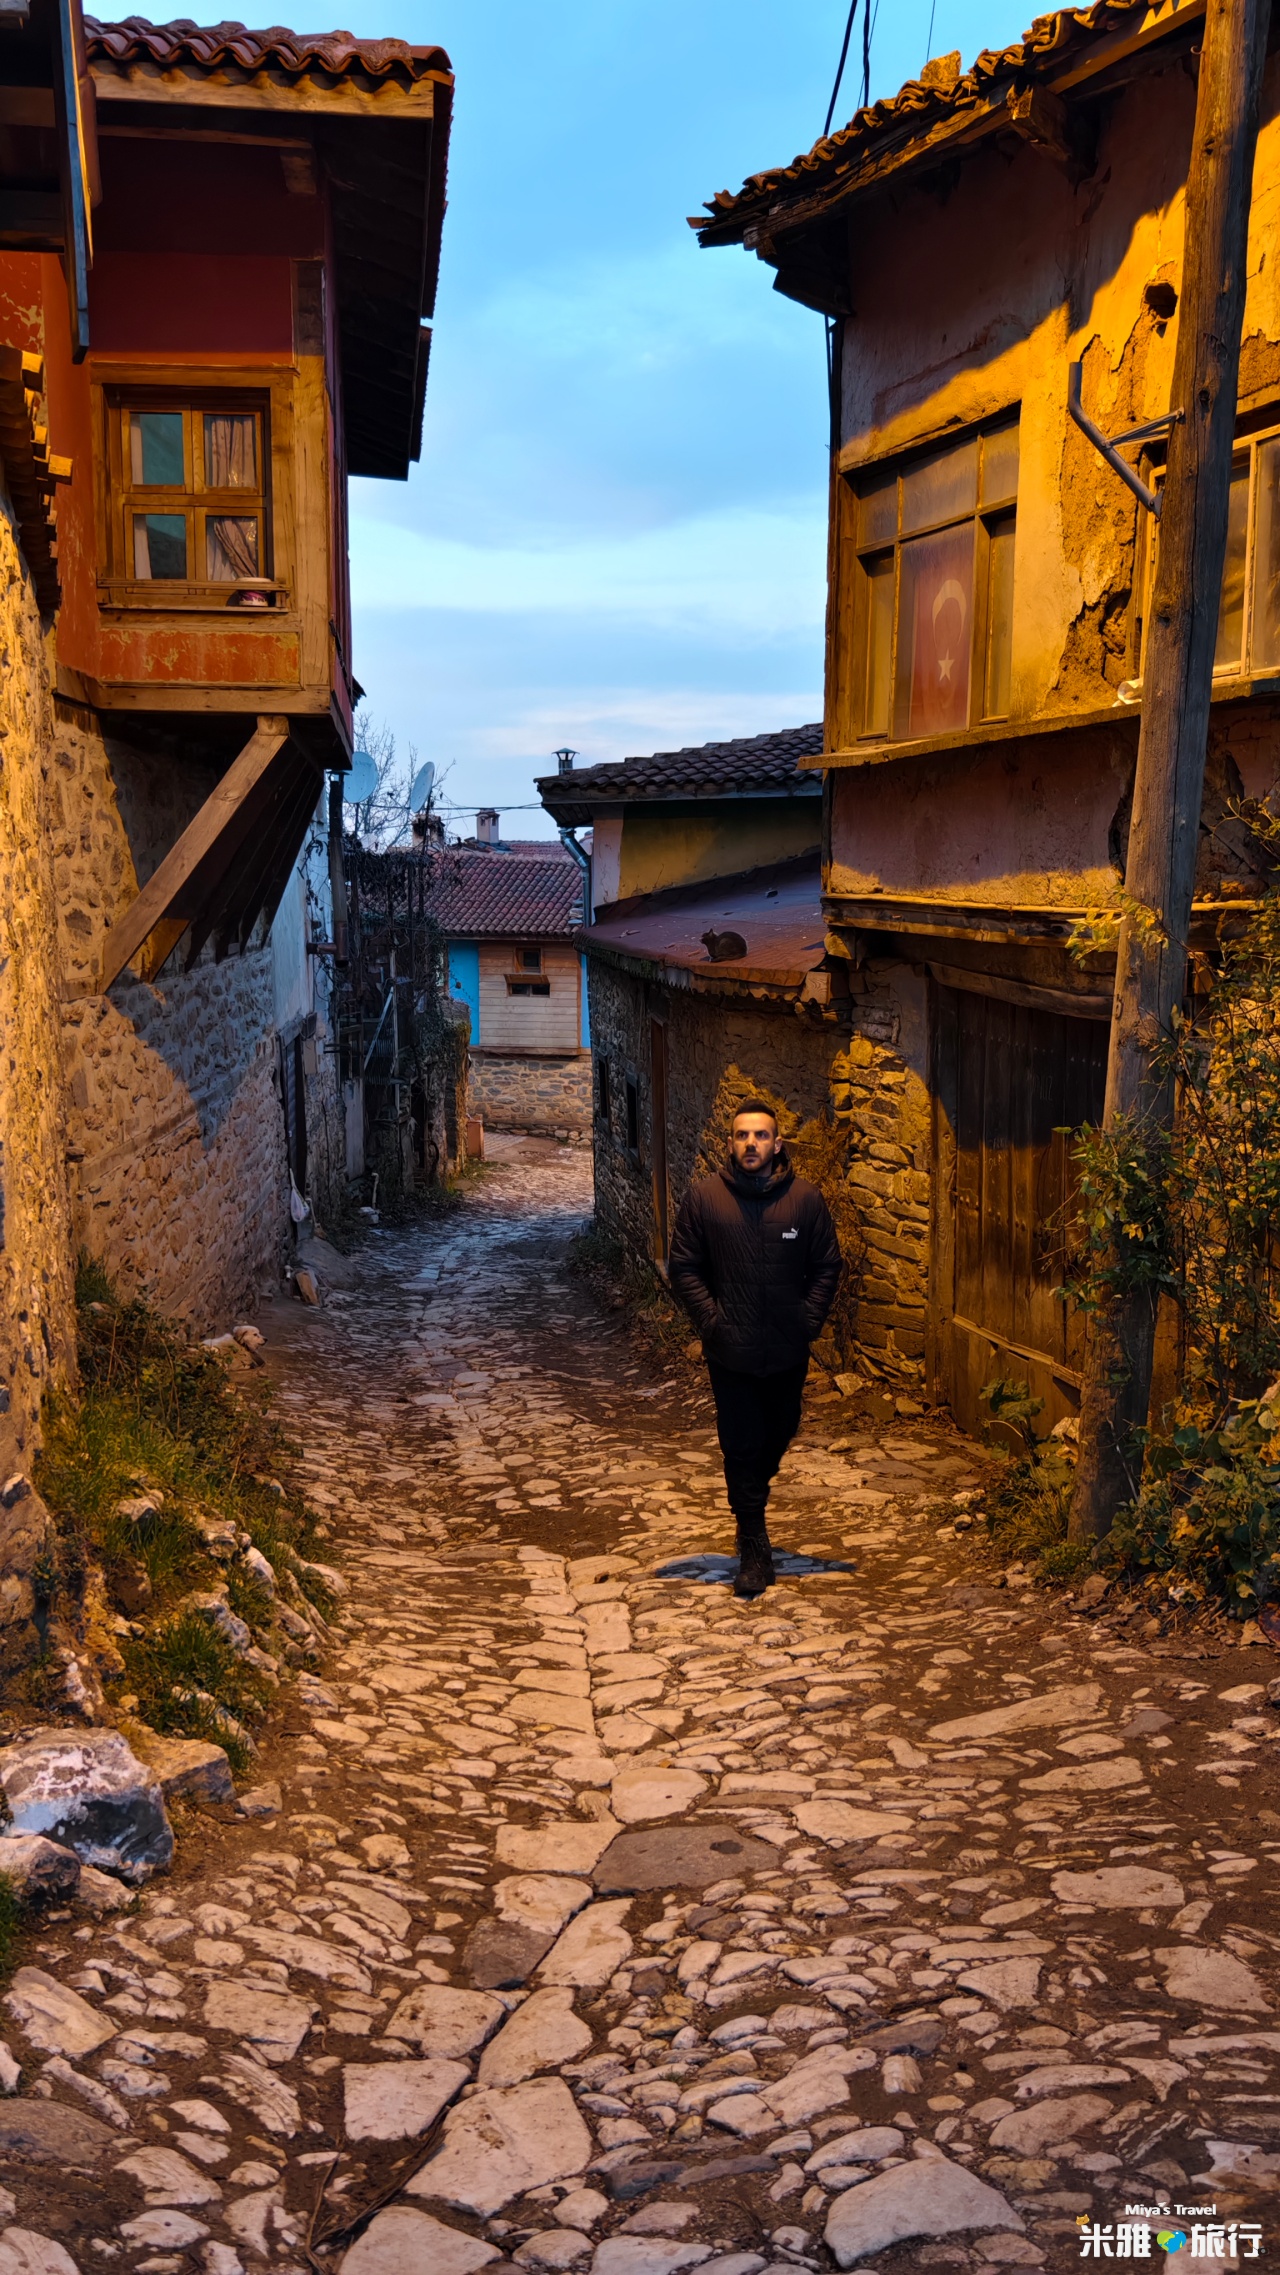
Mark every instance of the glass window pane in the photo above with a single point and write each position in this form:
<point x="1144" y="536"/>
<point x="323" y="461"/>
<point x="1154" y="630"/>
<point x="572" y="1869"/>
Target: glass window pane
<point x="1266" y="554"/>
<point x="1000" y="467"/>
<point x="155" y="448"/>
<point x="999" y="619"/>
<point x="878" y="510"/>
<point x="160" y="545"/>
<point x="231" y="545"/>
<point x="1231" y="612"/>
<point x="935" y="633"/>
<point x="940" y="488"/>
<point x="878" y="605"/>
<point x="230" y="451"/>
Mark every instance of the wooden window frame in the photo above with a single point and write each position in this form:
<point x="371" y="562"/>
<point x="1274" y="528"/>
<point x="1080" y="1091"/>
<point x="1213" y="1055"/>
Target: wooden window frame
<point x="1253" y="432"/>
<point x="528" y="983"/>
<point x="266" y="392"/>
<point x="986" y="516"/>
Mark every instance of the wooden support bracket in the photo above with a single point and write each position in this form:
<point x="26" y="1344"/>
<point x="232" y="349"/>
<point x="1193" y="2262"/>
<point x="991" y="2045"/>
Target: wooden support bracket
<point x="173" y="898"/>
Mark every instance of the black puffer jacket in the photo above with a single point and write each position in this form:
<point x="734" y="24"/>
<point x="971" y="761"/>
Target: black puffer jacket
<point x="756" y="1267"/>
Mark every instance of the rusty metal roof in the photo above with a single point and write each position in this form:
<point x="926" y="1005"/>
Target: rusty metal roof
<point x="216" y="46"/>
<point x="750" y="764"/>
<point x="502" y="896"/>
<point x="1060" y="49"/>
<point x="778" y="912"/>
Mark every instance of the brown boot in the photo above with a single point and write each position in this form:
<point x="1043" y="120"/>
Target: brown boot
<point x="755" y="1564"/>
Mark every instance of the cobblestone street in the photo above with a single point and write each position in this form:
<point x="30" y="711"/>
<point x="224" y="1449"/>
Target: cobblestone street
<point x="895" y="1920"/>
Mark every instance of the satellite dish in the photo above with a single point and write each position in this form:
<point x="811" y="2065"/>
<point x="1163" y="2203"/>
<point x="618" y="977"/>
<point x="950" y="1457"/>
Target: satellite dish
<point x="420" y="794"/>
<point x="361" y="780"/>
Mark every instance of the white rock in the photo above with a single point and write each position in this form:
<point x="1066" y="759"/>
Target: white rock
<point x="88" y="1791"/>
<point x="395" y="2101"/>
<point x="38" y="1867"/>
<point x="1068" y="2077"/>
<point x="1052" y="1710"/>
<point x="640" y="1795"/>
<point x="220" y="2259"/>
<point x="549" y="1708"/>
<point x="167" y="2231"/>
<point x="273" y="2103"/>
<point x="1029" y="2132"/>
<point x="930" y="2197"/>
<point x="553" y="2249"/>
<point x="169" y="2179"/>
<point x="646" y="2255"/>
<point x="23" y="2252"/>
<point x="273" y="2022"/>
<point x="866" y="2146"/>
<point x="502" y="2142"/>
<point x="542" y="2034"/>
<point x="591" y="1949"/>
<point x="581" y="2208"/>
<point x="444" y="2022"/>
<point x="1211" y="1978"/>
<point x="1009" y="1983"/>
<point x="555" y="1848"/>
<point x="1087" y="1777"/>
<point x="1119" y="1888"/>
<point x="248" y="2219"/>
<point x="542" y="1901"/>
<point x="55" y="2019"/>
<point x="385" y="1851"/>
<point x="401" y="2241"/>
<point x="308" y="1955"/>
<point x="838" y="1821"/>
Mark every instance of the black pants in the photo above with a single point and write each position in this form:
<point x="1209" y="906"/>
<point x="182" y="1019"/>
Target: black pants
<point x="757" y="1416"/>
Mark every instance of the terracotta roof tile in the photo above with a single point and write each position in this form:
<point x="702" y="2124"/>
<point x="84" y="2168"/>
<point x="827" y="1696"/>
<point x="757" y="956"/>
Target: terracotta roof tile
<point x="498" y="896"/>
<point x="913" y="111"/>
<point x="703" y="770"/>
<point x="211" y="46"/>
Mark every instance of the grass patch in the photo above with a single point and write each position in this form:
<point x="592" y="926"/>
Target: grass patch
<point x="1029" y="1504"/>
<point x="161" y="1420"/>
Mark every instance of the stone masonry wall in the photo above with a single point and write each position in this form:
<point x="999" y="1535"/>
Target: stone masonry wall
<point x="872" y="1079"/>
<point x="879" y="1091"/>
<point x="512" y="1092"/>
<point x="36" y="1296"/>
<point x="173" y="1089"/>
<point x="705" y="1035"/>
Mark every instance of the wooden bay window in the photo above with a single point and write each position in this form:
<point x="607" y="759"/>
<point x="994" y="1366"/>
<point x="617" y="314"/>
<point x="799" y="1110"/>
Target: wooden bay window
<point x="931" y="604"/>
<point x="1249" y="610"/>
<point x="189" y="508"/>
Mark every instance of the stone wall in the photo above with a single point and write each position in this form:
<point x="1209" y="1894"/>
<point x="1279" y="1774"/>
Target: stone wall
<point x="705" y="1035"/>
<point x="174" y="1105"/>
<point x="512" y="1091"/>
<point x="879" y="1090"/>
<point x="36" y="1294"/>
<point x="868" y="1069"/>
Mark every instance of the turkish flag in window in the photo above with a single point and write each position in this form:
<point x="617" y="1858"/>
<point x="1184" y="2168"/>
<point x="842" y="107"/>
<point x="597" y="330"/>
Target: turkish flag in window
<point x="935" y="641"/>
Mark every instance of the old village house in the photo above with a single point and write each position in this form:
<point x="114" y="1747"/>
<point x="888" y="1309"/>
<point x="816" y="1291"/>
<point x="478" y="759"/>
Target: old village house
<point x="722" y="839"/>
<point x="971" y="242"/>
<point x="217" y="249"/>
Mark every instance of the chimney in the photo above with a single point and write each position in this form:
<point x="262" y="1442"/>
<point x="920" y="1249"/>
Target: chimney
<point x="565" y="759"/>
<point x="487" y="826"/>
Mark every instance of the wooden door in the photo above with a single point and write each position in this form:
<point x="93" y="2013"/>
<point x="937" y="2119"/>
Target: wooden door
<point x="658" y="1138"/>
<point x="1012" y="1083"/>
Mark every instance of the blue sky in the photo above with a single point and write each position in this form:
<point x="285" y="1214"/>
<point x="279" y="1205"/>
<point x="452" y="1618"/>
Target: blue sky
<point x="616" y="535"/>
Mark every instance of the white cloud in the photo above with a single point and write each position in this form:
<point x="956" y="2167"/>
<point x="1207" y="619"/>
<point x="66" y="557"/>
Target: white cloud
<point x="754" y="574"/>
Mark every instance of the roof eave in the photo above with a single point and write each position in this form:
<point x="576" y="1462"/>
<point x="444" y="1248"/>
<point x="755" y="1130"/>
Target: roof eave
<point x="778" y="207"/>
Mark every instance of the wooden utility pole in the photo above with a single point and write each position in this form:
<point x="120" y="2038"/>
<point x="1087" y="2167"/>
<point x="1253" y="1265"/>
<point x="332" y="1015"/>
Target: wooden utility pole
<point x="1177" y="678"/>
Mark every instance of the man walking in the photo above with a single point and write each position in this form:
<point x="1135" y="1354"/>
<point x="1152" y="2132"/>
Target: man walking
<point x="755" y="1262"/>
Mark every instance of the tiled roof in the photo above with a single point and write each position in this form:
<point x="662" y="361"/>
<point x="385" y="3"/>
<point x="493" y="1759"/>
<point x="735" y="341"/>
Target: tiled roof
<point x="911" y="117"/>
<point x="704" y="770"/>
<point x="211" y="46"/>
<point x="500" y="896"/>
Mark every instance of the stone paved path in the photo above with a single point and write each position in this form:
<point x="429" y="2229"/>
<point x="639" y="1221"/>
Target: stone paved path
<point x="609" y="1924"/>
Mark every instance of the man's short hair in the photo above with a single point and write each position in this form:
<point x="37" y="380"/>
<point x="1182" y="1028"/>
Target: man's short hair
<point x="756" y="1106"/>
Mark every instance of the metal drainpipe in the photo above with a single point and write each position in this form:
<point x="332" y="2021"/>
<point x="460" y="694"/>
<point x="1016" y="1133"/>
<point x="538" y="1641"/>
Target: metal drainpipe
<point x="580" y="854"/>
<point x="337" y="874"/>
